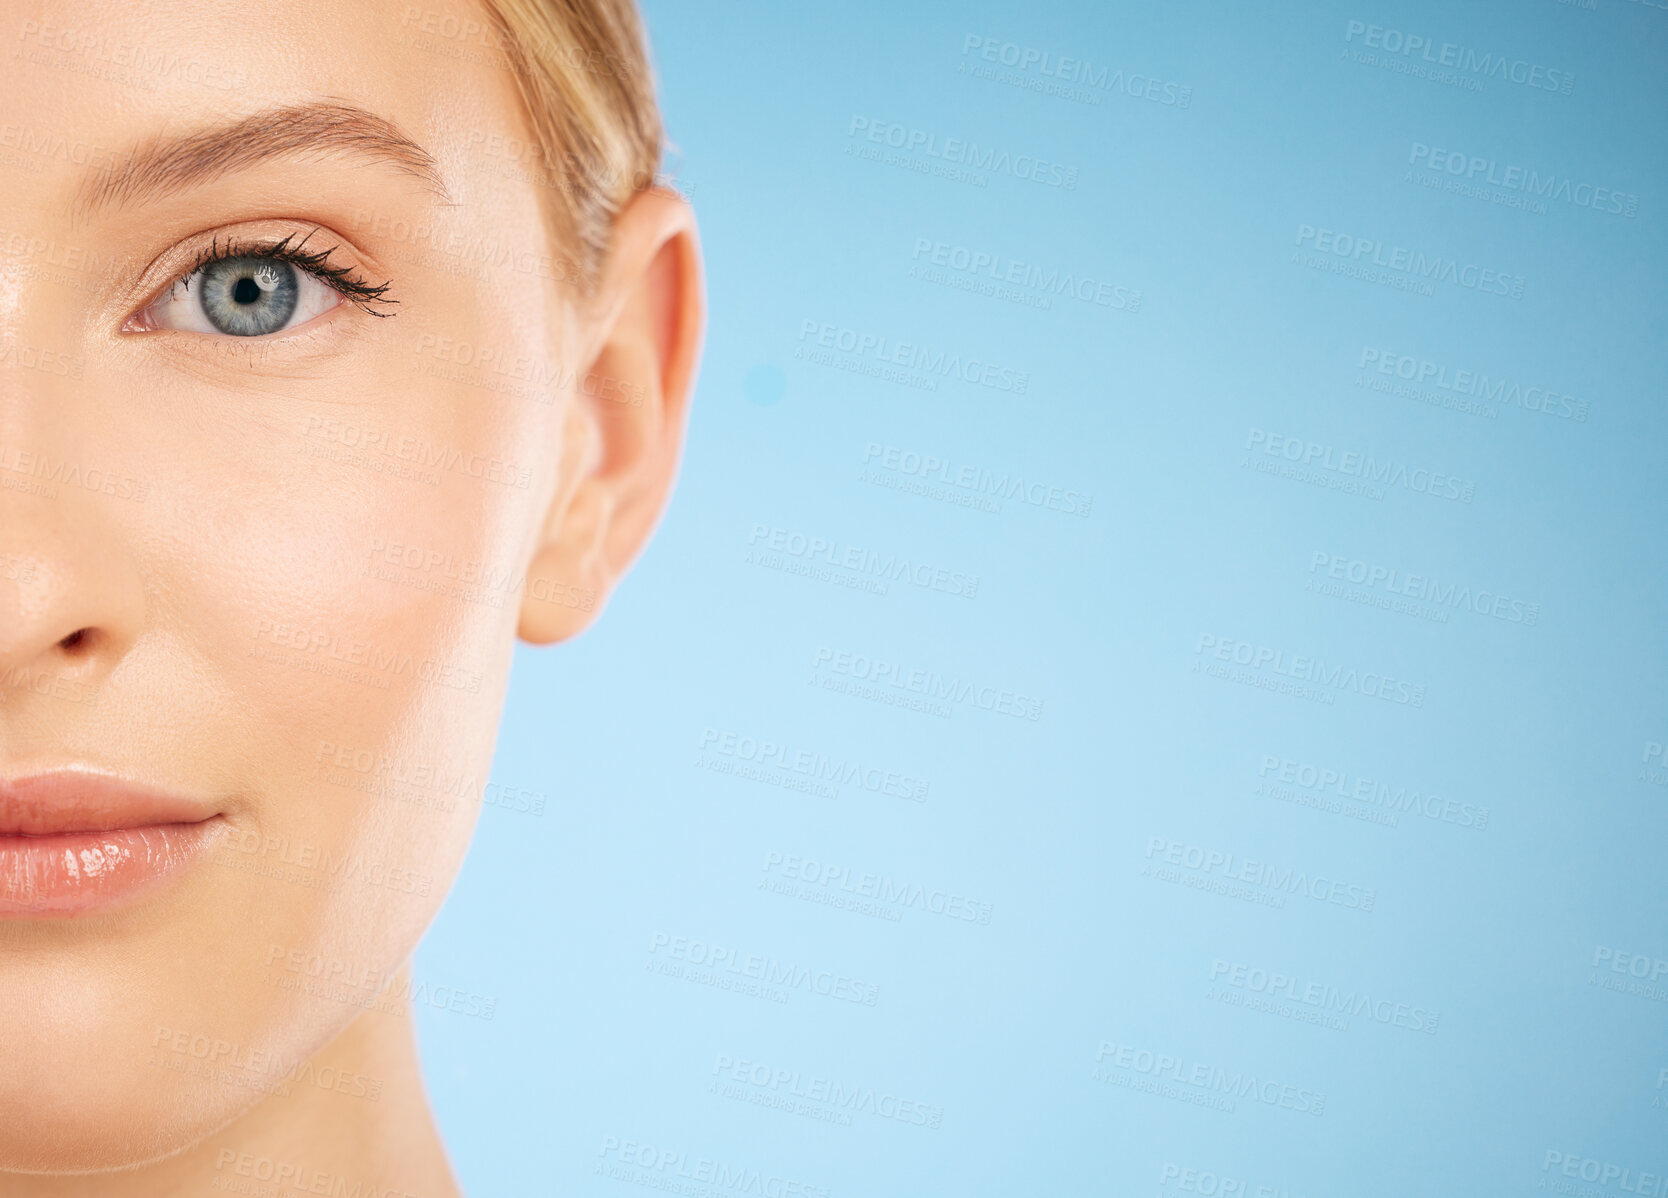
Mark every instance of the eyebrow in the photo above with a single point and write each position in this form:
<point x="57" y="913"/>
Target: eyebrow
<point x="166" y="166"/>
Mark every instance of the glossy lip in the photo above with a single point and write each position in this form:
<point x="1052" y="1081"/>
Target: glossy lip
<point x="75" y="841"/>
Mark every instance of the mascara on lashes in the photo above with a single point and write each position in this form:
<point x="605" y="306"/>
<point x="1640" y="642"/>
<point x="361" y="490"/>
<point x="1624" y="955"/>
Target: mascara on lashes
<point x="343" y="279"/>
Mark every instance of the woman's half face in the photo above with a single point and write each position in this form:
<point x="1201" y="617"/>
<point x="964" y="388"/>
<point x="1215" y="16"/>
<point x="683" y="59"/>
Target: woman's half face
<point x="296" y="391"/>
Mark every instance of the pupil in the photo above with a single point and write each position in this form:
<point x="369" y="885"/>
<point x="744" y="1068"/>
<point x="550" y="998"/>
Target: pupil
<point x="246" y="290"/>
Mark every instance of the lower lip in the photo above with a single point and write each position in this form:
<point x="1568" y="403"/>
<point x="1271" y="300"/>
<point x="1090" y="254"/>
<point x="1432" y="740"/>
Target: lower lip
<point x="68" y="873"/>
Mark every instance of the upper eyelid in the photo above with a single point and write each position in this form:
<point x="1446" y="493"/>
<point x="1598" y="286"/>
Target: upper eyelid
<point x="314" y="236"/>
<point x="188" y="253"/>
<point x="314" y="261"/>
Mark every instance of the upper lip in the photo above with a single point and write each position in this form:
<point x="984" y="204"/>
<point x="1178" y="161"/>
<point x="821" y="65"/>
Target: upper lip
<point x="62" y="801"/>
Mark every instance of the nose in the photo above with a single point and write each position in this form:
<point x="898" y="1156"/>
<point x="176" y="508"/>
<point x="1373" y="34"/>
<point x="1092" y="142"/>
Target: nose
<point x="71" y="602"/>
<point x="72" y="593"/>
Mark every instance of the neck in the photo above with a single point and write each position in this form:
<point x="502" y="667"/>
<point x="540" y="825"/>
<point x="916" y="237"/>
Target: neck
<point x="313" y="1139"/>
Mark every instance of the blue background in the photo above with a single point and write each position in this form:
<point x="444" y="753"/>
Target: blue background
<point x="568" y="919"/>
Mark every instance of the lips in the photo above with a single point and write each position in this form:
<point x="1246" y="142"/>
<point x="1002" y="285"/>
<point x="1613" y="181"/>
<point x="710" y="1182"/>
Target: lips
<point x="76" y="841"/>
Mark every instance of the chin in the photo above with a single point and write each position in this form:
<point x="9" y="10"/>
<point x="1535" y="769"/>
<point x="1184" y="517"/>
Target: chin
<point x="90" y="1082"/>
<point x="99" y="1122"/>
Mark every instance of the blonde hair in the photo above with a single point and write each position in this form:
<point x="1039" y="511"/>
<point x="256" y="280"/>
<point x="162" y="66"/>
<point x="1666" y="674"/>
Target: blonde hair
<point x="582" y="69"/>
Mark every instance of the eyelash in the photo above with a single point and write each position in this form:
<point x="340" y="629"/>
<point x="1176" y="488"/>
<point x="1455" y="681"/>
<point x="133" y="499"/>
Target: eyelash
<point x="342" y="279"/>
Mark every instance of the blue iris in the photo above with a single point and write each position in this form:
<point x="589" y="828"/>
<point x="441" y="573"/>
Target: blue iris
<point x="249" y="297"/>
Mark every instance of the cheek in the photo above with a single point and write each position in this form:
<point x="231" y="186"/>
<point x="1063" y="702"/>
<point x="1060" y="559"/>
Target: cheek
<point x="337" y="652"/>
<point x="369" y="584"/>
<point x="366" y="595"/>
<point x="361" y="618"/>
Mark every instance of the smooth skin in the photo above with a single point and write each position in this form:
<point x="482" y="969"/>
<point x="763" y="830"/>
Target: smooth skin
<point x="300" y="605"/>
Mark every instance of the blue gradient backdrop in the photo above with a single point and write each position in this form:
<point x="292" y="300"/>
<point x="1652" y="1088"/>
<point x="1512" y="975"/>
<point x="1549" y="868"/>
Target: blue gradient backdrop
<point x="685" y="1003"/>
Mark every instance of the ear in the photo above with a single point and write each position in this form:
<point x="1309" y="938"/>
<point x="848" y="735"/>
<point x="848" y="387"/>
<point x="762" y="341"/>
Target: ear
<point x="623" y="433"/>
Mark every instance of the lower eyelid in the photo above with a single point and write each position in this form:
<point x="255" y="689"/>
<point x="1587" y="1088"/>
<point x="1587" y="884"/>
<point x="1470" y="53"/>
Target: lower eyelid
<point x="290" y="355"/>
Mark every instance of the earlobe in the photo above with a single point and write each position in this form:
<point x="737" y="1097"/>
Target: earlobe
<point x="623" y="432"/>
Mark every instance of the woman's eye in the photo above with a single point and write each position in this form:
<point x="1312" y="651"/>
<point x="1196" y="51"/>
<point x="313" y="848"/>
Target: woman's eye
<point x="243" y="297"/>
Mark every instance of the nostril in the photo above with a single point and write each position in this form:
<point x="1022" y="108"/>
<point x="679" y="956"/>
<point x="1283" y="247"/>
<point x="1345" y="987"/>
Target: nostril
<point x="77" y="641"/>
